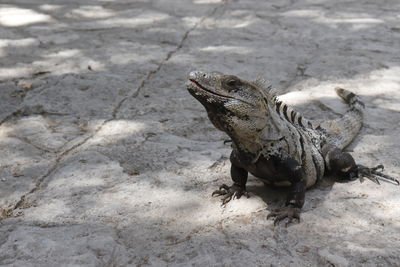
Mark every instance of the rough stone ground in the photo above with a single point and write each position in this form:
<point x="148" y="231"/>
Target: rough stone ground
<point x="106" y="160"/>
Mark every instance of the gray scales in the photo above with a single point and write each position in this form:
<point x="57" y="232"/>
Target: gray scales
<point x="277" y="144"/>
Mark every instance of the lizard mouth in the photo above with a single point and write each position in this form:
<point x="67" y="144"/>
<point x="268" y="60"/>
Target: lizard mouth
<point x="198" y="85"/>
<point x="208" y="90"/>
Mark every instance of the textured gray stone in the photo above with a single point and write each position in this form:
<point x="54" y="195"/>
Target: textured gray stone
<point x="106" y="160"/>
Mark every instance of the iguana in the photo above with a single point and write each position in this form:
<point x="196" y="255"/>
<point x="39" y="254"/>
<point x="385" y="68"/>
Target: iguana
<point x="275" y="143"/>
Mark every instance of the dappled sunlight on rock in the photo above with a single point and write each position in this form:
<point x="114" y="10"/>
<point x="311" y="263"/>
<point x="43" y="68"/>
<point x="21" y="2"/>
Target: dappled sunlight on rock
<point x="61" y="241"/>
<point x="16" y="44"/>
<point x="20" y="165"/>
<point x="68" y="53"/>
<point x="50" y="7"/>
<point x="191" y="21"/>
<point x="352" y="21"/>
<point x="106" y="159"/>
<point x="146" y="18"/>
<point x="295" y="98"/>
<point x="52" y="209"/>
<point x="42" y="132"/>
<point x="95" y="12"/>
<point x="304" y="13"/>
<point x="229" y="23"/>
<point x="227" y="49"/>
<point x="116" y="130"/>
<point x="202" y="2"/>
<point x="372" y="86"/>
<point x="356" y="20"/>
<point x="69" y="60"/>
<point x="80" y="179"/>
<point x="11" y="16"/>
<point x="391" y="73"/>
<point x="15" y="71"/>
<point x="87" y="184"/>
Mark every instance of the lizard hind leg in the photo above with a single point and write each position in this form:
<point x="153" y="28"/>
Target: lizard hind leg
<point x="374" y="175"/>
<point x="343" y="164"/>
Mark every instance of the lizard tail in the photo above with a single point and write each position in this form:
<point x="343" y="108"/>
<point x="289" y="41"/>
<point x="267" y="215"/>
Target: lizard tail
<point x="352" y="99"/>
<point x="343" y="130"/>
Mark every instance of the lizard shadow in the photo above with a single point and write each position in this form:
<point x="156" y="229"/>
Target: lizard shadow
<point x="275" y="196"/>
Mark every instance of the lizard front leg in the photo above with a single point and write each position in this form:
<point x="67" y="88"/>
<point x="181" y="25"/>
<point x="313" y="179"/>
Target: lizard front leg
<point x="238" y="189"/>
<point x="296" y="196"/>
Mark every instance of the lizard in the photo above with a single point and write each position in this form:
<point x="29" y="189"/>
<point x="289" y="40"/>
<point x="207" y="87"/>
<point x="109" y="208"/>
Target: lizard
<point x="277" y="144"/>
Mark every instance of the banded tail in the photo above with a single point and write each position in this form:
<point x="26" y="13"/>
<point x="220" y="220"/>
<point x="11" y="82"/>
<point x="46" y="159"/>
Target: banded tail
<point x="343" y="130"/>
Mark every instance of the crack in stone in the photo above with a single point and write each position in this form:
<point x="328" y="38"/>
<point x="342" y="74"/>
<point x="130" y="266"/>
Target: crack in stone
<point x="9" y="116"/>
<point x="27" y="141"/>
<point x="23" y="109"/>
<point x="39" y="182"/>
<point x="167" y="58"/>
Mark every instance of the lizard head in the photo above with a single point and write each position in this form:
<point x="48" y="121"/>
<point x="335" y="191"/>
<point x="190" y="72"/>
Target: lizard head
<point x="234" y="106"/>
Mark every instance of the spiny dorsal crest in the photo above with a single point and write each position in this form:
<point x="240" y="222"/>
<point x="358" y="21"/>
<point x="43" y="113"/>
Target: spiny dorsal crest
<point x="284" y="111"/>
<point x="265" y="88"/>
<point x="290" y="115"/>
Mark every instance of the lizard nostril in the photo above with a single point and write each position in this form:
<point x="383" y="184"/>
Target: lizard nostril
<point x="192" y="75"/>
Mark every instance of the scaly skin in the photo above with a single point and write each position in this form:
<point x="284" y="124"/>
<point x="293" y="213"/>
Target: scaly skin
<point x="275" y="143"/>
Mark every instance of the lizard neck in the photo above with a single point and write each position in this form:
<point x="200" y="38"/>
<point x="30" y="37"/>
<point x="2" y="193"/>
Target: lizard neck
<point x="252" y="143"/>
<point x="248" y="152"/>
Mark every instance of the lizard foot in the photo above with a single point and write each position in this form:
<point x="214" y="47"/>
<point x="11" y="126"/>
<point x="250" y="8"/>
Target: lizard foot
<point x="289" y="212"/>
<point x="373" y="174"/>
<point x="230" y="192"/>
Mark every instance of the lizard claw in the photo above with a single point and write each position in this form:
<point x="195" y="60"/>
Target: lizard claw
<point x="230" y="192"/>
<point x="374" y="175"/>
<point x="227" y="141"/>
<point x="289" y="212"/>
<point x="222" y="190"/>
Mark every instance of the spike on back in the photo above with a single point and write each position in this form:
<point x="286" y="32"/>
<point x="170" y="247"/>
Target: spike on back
<point x="284" y="111"/>
<point x="261" y="83"/>
<point x="290" y="115"/>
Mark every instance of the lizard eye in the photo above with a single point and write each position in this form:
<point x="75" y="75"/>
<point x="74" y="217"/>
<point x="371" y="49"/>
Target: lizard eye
<point x="232" y="82"/>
